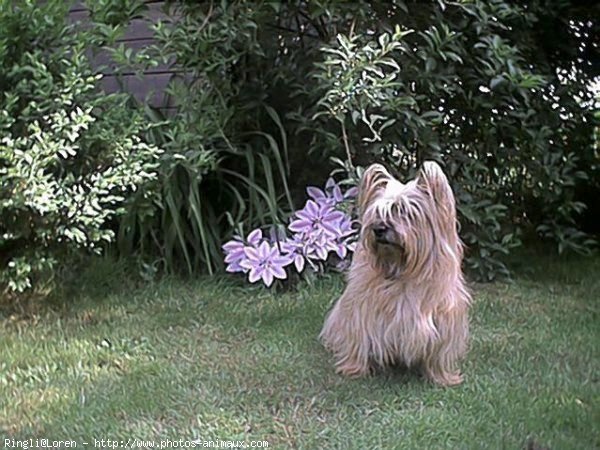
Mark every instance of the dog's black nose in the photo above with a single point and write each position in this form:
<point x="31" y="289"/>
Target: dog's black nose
<point x="379" y="230"/>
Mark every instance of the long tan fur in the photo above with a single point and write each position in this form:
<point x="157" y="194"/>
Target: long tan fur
<point x="405" y="300"/>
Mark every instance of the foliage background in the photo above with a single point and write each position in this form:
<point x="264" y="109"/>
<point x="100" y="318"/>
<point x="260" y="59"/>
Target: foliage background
<point x="496" y="91"/>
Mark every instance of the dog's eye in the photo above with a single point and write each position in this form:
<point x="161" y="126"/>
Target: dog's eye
<point x="398" y="210"/>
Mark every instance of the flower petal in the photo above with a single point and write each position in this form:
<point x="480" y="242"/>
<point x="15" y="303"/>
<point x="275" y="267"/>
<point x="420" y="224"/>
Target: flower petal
<point x="252" y="253"/>
<point x="290" y="245"/>
<point x="267" y="277"/>
<point x="278" y="272"/>
<point x="256" y="274"/>
<point x="264" y="250"/>
<point x="333" y="215"/>
<point x="315" y="193"/>
<point x="248" y="264"/>
<point x="281" y="260"/>
<point x="337" y="194"/>
<point x="232" y="245"/>
<point x="235" y="256"/>
<point x="331" y="228"/>
<point x="321" y="253"/>
<point x="255" y="237"/>
<point x="311" y="208"/>
<point x="307" y="214"/>
<point x="300" y="225"/>
<point x="351" y="193"/>
<point x="234" y="267"/>
<point x="299" y="263"/>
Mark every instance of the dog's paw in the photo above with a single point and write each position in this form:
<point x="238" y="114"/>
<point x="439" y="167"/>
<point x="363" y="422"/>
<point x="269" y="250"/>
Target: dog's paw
<point x="445" y="379"/>
<point x="353" y="370"/>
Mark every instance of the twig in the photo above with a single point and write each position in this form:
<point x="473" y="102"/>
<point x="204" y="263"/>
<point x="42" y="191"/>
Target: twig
<point x="345" y="139"/>
<point x="207" y="18"/>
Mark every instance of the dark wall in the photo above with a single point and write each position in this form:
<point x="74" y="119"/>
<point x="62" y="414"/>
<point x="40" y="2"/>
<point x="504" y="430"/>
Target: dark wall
<point x="151" y="84"/>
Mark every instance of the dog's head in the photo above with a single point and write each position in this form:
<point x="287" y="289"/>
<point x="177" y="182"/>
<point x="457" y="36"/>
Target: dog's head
<point x="409" y="229"/>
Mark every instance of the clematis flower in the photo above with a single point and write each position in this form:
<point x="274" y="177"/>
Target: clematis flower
<point x="332" y="195"/>
<point x="351" y="193"/>
<point x="266" y="263"/>
<point x="315" y="217"/>
<point x="295" y="249"/>
<point x="318" y="229"/>
<point x="318" y="246"/>
<point x="235" y="250"/>
<point x="345" y="235"/>
<point x="234" y="253"/>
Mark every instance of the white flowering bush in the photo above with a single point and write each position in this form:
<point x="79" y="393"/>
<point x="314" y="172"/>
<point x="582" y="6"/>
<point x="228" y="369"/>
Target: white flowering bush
<point x="47" y="201"/>
<point x="70" y="156"/>
<point x="321" y="228"/>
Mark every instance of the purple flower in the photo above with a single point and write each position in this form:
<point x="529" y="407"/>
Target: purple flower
<point x="234" y="254"/>
<point x="318" y="246"/>
<point x="332" y="195"/>
<point x="345" y="235"/>
<point x="316" y="217"/>
<point x="304" y="248"/>
<point x="235" y="250"/>
<point x="265" y="262"/>
<point x="295" y="249"/>
<point x="255" y="237"/>
<point x="317" y="229"/>
<point x="351" y="193"/>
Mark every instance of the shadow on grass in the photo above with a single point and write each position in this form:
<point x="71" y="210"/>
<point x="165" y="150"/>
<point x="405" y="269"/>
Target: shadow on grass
<point x="214" y="359"/>
<point x="541" y="263"/>
<point x="167" y="361"/>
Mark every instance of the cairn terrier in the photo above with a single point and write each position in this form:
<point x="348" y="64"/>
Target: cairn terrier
<point x="405" y="301"/>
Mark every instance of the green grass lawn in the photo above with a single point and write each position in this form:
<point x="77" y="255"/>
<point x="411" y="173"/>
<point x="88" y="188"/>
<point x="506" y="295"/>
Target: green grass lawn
<point x="215" y="359"/>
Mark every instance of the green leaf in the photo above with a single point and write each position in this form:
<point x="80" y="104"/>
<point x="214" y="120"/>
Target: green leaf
<point x="497" y="81"/>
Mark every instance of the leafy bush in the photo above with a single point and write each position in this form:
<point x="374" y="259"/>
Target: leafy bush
<point x="225" y="158"/>
<point x="70" y="156"/>
<point x="498" y="92"/>
<point x="469" y="85"/>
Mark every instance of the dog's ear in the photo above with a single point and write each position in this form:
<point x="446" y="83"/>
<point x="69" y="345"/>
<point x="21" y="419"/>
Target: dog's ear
<point x="432" y="179"/>
<point x="373" y="179"/>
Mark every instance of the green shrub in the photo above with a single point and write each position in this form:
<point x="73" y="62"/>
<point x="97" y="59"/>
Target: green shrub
<point x="225" y="159"/>
<point x="467" y="84"/>
<point x="70" y="156"/>
<point x="497" y="91"/>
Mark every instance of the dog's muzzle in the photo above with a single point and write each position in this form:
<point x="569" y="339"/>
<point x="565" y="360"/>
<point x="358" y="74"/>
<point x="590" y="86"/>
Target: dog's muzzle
<point x="383" y="234"/>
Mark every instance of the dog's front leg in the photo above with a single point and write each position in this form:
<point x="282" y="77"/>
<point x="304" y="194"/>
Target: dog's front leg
<point x="347" y="339"/>
<point x="354" y="362"/>
<point x="441" y="366"/>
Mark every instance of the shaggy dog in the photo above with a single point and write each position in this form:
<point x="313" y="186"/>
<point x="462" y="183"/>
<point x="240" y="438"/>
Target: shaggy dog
<point x="405" y="301"/>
